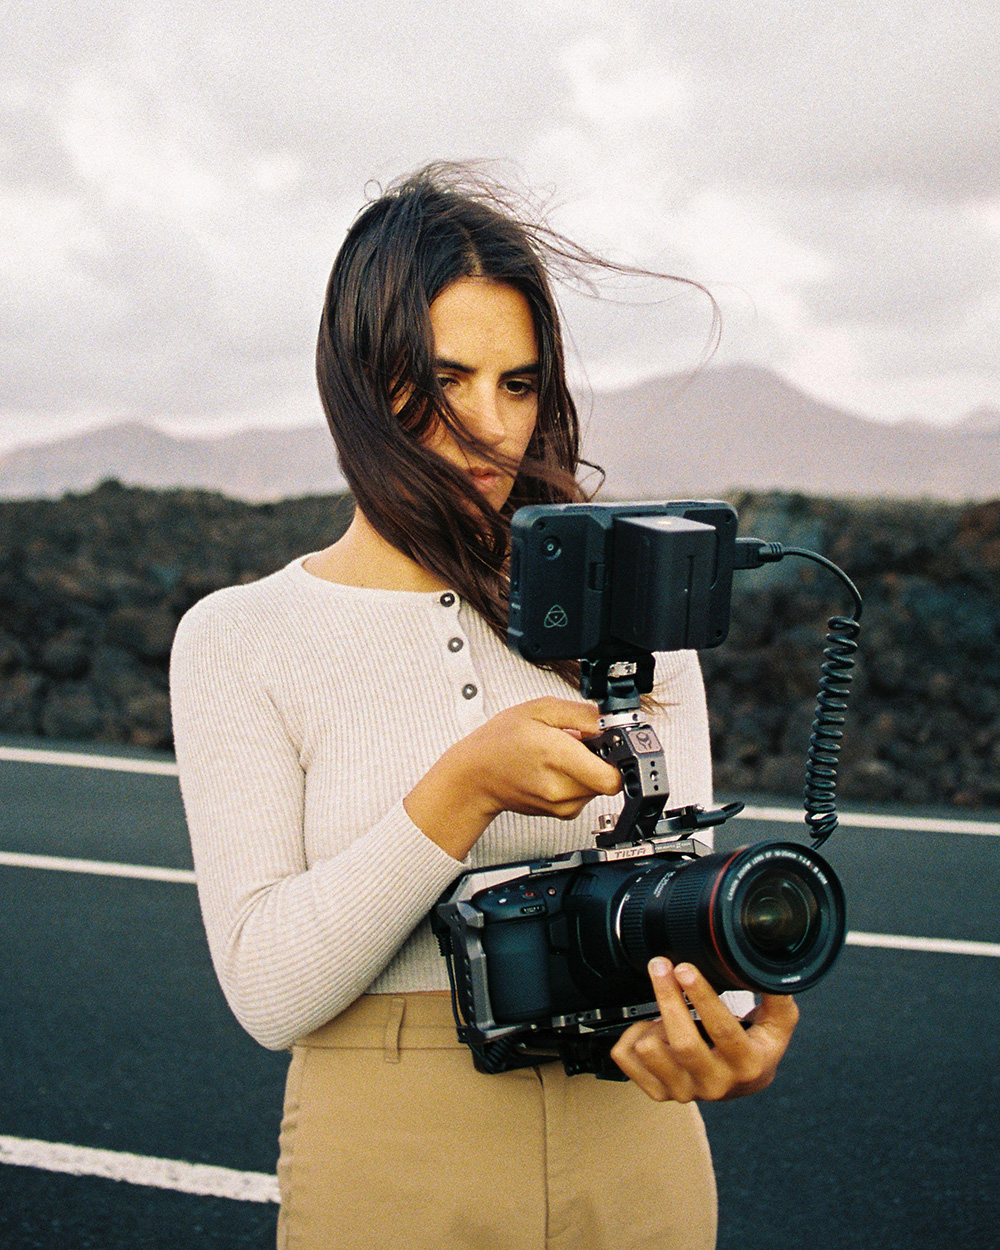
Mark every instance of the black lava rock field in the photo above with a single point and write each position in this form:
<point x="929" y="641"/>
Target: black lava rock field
<point x="92" y="587"/>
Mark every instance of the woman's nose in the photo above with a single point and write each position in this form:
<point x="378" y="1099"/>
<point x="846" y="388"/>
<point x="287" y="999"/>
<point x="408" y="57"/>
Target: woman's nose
<point x="485" y="419"/>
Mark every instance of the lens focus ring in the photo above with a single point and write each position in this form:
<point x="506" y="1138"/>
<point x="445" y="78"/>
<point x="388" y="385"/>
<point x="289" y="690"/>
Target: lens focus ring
<point x="630" y="919"/>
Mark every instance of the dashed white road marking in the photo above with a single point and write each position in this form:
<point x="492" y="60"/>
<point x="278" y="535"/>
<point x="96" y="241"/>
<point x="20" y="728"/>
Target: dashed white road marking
<point x="117" y="1165"/>
<point x="778" y="815"/>
<point x="96" y="867"/>
<point x="79" y="759"/>
<point x="939" y="946"/>
<point x="862" y="820"/>
<point x="891" y="941"/>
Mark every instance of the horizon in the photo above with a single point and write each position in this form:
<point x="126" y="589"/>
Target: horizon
<point x="191" y="429"/>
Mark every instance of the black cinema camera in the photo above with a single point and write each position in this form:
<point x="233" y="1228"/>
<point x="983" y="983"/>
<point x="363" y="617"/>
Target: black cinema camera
<point x="547" y="958"/>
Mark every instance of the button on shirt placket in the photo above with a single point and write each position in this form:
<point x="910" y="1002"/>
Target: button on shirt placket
<point x="463" y="679"/>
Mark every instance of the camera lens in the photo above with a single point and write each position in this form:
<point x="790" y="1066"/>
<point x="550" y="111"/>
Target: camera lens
<point x="779" y="914"/>
<point x="769" y="917"/>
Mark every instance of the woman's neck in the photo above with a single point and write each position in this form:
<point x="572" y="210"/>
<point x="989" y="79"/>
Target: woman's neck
<point x="362" y="557"/>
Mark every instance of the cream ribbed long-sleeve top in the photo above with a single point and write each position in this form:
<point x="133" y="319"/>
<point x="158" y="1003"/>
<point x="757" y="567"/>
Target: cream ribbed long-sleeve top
<point x="303" y="712"/>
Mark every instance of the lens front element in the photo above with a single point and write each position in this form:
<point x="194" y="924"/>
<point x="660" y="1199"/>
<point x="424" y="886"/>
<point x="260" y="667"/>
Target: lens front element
<point x="779" y="914"/>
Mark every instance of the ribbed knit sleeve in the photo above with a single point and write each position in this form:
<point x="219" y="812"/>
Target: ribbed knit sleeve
<point x="293" y="942"/>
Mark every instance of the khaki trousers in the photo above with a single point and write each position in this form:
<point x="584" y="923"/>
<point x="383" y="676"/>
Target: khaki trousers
<point x="391" y="1140"/>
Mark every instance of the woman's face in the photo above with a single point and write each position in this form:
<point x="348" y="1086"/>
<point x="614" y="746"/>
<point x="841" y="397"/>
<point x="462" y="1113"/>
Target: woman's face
<point x="486" y="359"/>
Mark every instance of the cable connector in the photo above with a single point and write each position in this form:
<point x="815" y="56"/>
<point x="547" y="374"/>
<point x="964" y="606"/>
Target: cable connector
<point x="751" y="553"/>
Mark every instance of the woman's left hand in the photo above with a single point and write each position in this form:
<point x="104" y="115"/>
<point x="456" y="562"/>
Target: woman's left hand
<point x="669" y="1059"/>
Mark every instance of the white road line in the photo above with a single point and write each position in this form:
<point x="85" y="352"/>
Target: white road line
<point x="777" y="815"/>
<point x="940" y="946"/>
<point x="139" y="872"/>
<point x="861" y="820"/>
<point x="77" y="759"/>
<point x="116" y="1165"/>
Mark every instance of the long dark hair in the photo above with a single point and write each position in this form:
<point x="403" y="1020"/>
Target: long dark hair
<point x="375" y="367"/>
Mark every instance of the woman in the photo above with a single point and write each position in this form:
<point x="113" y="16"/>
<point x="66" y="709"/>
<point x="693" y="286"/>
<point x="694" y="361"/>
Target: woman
<point x="352" y="733"/>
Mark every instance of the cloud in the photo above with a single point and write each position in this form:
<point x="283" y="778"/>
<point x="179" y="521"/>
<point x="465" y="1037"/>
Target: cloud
<point x="843" y="95"/>
<point x="176" y="184"/>
<point x="821" y="168"/>
<point x="180" y="188"/>
<point x="921" y="265"/>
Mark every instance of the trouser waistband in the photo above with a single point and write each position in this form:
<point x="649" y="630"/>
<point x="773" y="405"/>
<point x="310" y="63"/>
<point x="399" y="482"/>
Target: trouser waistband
<point x="391" y="1023"/>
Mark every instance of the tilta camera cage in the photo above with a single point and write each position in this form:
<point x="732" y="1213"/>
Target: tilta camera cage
<point x="617" y="682"/>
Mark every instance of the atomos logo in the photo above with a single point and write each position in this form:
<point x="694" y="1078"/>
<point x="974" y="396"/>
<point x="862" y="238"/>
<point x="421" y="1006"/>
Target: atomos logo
<point x="556" y="617"/>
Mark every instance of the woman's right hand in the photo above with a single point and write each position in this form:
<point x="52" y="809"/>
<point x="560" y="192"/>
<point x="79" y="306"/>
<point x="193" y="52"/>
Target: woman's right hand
<point x="528" y="759"/>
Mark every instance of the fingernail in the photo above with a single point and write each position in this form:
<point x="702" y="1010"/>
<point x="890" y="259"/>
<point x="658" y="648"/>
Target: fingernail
<point x="659" y="967"/>
<point x="685" y="974"/>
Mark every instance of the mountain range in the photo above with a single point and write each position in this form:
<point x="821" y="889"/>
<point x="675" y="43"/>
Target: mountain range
<point x="697" y="435"/>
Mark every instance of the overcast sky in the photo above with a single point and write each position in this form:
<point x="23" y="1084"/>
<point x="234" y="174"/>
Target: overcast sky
<point x="176" y="179"/>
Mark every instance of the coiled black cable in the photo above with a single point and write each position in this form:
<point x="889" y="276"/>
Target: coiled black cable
<point x="831" y="705"/>
<point x="824" y="742"/>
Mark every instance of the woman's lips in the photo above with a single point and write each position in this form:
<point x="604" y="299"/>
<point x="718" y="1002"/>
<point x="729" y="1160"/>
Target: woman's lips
<point x="485" y="478"/>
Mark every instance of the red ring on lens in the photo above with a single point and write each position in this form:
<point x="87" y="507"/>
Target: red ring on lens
<point x="711" y="917"/>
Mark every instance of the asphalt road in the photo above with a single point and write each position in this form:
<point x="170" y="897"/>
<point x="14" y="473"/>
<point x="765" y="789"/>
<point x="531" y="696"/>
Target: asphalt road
<point x="882" y="1130"/>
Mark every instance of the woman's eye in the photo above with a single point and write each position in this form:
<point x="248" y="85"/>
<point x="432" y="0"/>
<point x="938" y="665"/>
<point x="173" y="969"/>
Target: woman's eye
<point x="444" y="382"/>
<point x="520" y="386"/>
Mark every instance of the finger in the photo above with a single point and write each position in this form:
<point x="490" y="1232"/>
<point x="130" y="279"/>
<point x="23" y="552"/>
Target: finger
<point x="584" y="767"/>
<point x="649" y="1059"/>
<point x="566" y="714"/>
<point x="605" y="778"/>
<point x="701" y="1069"/>
<point x="749" y="1054"/>
<point x="568" y="809"/>
<point x="777" y="1013"/>
<point x="562" y="778"/>
<point x="567" y="753"/>
<point x="680" y="1029"/>
<point x="626" y="1057"/>
<point x="727" y="1034"/>
<point x="777" y="1016"/>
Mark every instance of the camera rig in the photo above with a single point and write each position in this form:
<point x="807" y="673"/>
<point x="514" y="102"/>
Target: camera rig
<point x="546" y="958"/>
